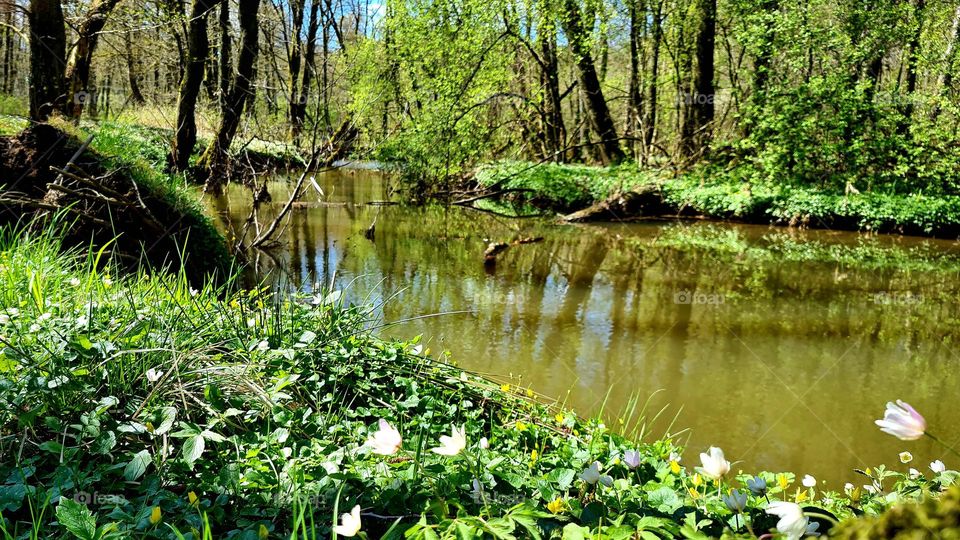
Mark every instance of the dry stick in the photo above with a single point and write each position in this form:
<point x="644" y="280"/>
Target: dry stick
<point x="261" y="239"/>
<point x="53" y="207"/>
<point x="89" y="183"/>
<point x="95" y="196"/>
<point x="76" y="155"/>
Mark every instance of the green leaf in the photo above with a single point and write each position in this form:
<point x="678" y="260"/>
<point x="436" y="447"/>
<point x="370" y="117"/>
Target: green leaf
<point x="77" y="519"/>
<point x="193" y="448"/>
<point x="167" y="415"/>
<point x="137" y="466"/>
<point x="572" y="531"/>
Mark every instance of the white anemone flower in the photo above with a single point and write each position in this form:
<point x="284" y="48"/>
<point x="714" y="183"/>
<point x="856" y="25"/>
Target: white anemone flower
<point x="902" y="421"/>
<point x="591" y="474"/>
<point x="153" y="375"/>
<point x="453" y="444"/>
<point x="386" y="441"/>
<point x="938" y="466"/>
<point x="349" y="523"/>
<point x="809" y="481"/>
<point x="714" y="464"/>
<point x="792" y="523"/>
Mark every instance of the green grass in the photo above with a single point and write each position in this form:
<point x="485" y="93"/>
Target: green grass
<point x="722" y="196"/>
<point x="225" y="413"/>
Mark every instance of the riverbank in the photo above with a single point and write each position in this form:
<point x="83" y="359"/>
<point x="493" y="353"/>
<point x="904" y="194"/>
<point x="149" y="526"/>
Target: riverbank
<point x="626" y="192"/>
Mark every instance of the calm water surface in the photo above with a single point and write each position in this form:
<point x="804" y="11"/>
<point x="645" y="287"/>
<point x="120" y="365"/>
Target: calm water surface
<point x="771" y="343"/>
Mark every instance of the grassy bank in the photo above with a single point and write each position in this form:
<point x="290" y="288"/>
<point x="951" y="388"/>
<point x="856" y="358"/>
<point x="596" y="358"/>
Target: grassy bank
<point x="143" y="408"/>
<point x="720" y="195"/>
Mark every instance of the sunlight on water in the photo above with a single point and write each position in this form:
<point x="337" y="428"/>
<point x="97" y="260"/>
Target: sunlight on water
<point x="781" y="346"/>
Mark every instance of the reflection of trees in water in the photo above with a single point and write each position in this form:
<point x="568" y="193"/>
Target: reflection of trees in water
<point x="590" y="308"/>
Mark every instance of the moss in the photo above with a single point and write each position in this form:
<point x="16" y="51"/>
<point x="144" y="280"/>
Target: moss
<point x="932" y="518"/>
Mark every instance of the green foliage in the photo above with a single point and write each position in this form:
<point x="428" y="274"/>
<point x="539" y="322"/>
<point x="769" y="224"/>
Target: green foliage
<point x="446" y="62"/>
<point x="707" y="192"/>
<point x="930" y="518"/>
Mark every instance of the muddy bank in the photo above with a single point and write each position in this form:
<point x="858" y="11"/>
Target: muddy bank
<point x="47" y="175"/>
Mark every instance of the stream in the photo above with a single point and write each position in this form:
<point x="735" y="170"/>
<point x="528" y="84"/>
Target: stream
<point x="779" y="345"/>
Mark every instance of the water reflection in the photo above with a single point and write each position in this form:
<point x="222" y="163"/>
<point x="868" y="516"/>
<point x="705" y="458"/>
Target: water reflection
<point x="777" y="346"/>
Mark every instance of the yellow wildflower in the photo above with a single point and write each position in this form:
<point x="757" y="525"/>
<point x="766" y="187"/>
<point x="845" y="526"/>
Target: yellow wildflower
<point x="534" y="455"/>
<point x="529" y="392"/>
<point x="155" y="515"/>
<point x="694" y="493"/>
<point x="150" y="427"/>
<point x="783" y="481"/>
<point x="558" y="418"/>
<point x="504" y="387"/>
<point x="800" y="496"/>
<point x="696" y="480"/>
<point x="521" y="426"/>
<point x="263" y="533"/>
<point x="192" y="497"/>
<point x="556" y="506"/>
<point x="675" y="467"/>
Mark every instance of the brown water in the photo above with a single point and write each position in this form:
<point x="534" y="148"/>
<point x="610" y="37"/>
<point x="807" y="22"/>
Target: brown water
<point x="780" y="346"/>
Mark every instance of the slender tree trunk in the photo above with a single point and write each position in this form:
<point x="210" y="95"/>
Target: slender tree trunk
<point x="226" y="62"/>
<point x="701" y="102"/>
<point x="48" y="51"/>
<point x="198" y="46"/>
<point x="7" y="49"/>
<point x="78" y="67"/>
<point x="216" y="158"/>
<point x="650" y="122"/>
<point x="634" y="97"/>
<point x="294" y="58"/>
<point x="133" y="77"/>
<point x="309" y="68"/>
<point x="599" y="113"/>
<point x="913" y="57"/>
<point x="945" y="79"/>
<point x="328" y="21"/>
<point x="554" y="129"/>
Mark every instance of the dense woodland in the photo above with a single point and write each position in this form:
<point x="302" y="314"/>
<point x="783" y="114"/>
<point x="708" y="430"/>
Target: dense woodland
<point x="846" y="95"/>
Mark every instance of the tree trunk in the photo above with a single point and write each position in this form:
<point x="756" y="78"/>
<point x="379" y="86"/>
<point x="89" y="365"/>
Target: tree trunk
<point x="324" y="76"/>
<point x="913" y="57"/>
<point x="216" y="158"/>
<point x="78" y="67"/>
<point x="701" y="102"/>
<point x="294" y="58"/>
<point x="555" y="132"/>
<point x="198" y="47"/>
<point x="7" y="49"/>
<point x="133" y="77"/>
<point x="945" y="80"/>
<point x="597" y="110"/>
<point x="310" y="66"/>
<point x="226" y="62"/>
<point x="634" y="97"/>
<point x="650" y="122"/>
<point x="48" y="51"/>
